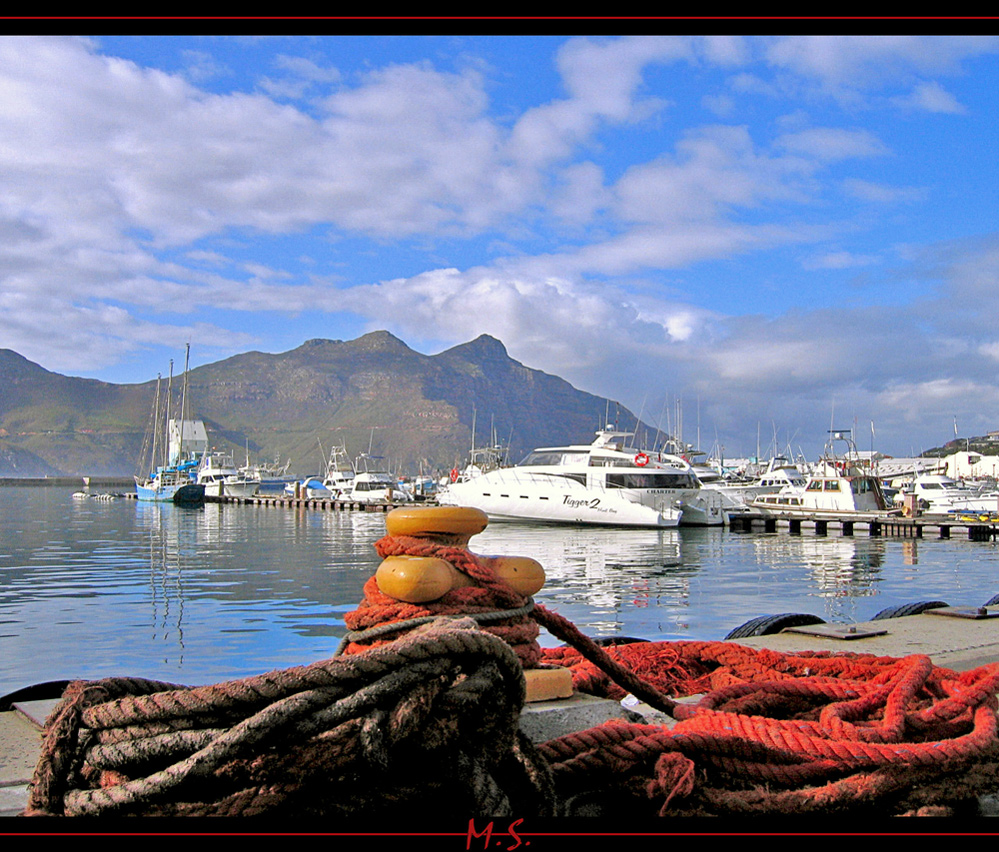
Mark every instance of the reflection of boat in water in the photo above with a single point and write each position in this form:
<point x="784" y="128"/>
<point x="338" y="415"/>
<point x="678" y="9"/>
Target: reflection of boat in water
<point x="609" y="580"/>
<point x="606" y="483"/>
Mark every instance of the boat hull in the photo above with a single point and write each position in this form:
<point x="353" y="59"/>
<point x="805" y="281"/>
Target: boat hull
<point x="564" y="509"/>
<point x="187" y="493"/>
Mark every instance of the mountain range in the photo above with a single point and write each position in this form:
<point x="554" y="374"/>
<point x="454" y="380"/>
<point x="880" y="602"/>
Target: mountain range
<point x="373" y="394"/>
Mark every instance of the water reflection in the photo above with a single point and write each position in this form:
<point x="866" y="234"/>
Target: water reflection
<point x="90" y="588"/>
<point x="606" y="581"/>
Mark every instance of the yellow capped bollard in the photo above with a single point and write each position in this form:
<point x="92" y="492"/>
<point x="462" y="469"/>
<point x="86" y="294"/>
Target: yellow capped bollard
<point x="419" y="579"/>
<point x="423" y="579"/>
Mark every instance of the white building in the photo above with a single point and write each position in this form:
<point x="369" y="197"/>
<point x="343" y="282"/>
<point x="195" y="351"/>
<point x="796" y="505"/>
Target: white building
<point x="191" y="441"/>
<point x="971" y="465"/>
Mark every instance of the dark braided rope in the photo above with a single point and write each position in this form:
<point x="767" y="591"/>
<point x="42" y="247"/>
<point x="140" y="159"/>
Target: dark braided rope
<point x="436" y="710"/>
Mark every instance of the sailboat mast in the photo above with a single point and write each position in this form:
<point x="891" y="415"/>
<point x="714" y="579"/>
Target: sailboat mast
<point x="183" y="404"/>
<point x="166" y="416"/>
<point x="154" y="455"/>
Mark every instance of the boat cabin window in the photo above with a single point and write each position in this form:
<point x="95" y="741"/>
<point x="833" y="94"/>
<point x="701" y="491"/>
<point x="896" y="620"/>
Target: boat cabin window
<point x="553" y="457"/>
<point x="814" y="485"/>
<point x="611" y="461"/>
<point x="831" y="485"/>
<point x="541" y="459"/>
<point x="650" y="480"/>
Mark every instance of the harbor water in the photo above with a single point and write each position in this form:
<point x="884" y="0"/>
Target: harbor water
<point x="196" y="595"/>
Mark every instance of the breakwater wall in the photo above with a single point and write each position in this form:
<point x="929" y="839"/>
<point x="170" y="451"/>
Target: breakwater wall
<point x="67" y="481"/>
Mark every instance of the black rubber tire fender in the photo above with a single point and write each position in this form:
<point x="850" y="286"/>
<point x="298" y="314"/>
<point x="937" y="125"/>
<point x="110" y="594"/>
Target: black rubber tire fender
<point x="610" y="641"/>
<point x="908" y="609"/>
<point x="37" y="692"/>
<point x="765" y="625"/>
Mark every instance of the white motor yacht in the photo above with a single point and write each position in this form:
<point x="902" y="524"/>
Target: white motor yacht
<point x="939" y="494"/>
<point x="339" y="477"/>
<point x="737" y="495"/>
<point x="838" y="486"/>
<point x="218" y="473"/>
<point x="374" y="486"/>
<point x="608" y="483"/>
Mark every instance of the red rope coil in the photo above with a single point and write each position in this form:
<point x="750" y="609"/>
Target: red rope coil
<point x="817" y="728"/>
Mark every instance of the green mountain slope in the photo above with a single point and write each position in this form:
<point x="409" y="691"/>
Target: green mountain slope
<point x="415" y="411"/>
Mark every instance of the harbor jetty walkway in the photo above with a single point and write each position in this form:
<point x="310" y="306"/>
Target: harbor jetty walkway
<point x="973" y="527"/>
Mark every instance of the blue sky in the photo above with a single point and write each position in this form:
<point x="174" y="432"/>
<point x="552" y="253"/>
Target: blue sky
<point x="782" y="233"/>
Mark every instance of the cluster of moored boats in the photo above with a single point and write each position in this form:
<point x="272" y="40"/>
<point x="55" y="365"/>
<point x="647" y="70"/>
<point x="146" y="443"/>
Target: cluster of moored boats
<point x="610" y="482"/>
<point x="607" y="482"/>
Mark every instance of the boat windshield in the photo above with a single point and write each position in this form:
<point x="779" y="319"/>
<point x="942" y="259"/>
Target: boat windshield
<point x="650" y="480"/>
<point x="553" y="457"/>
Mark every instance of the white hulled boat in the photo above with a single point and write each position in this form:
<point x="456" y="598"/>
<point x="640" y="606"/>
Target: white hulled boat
<point x="938" y="493"/>
<point x="175" y="481"/>
<point x="606" y="483"/>
<point x="838" y="487"/>
<point x="170" y="484"/>
<point x="738" y="494"/>
<point x="369" y="485"/>
<point x="339" y="472"/>
<point x="218" y="473"/>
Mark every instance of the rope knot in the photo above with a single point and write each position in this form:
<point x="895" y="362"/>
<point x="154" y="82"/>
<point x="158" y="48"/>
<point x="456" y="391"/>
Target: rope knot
<point x="674" y="776"/>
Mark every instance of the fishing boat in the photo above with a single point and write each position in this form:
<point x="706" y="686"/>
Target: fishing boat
<point x="838" y="487"/>
<point x="371" y="485"/>
<point x="218" y="473"/>
<point x="339" y="472"/>
<point x="607" y="482"/>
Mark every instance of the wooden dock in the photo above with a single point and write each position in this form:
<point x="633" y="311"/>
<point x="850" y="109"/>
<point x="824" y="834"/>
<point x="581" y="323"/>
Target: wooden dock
<point x="924" y="526"/>
<point x="317" y="504"/>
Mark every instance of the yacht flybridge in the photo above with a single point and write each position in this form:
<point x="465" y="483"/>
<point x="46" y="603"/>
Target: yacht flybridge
<point x="608" y="483"/>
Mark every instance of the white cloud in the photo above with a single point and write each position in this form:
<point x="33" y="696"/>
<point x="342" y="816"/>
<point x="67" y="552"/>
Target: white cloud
<point x="136" y="203"/>
<point x="932" y="97"/>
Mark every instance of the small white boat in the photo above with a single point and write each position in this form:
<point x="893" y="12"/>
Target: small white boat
<point x="607" y="483"/>
<point x="339" y="472"/>
<point x="737" y="495"/>
<point x="171" y="484"/>
<point x="940" y="494"/>
<point x="838" y="487"/>
<point x="221" y="478"/>
<point x="374" y="486"/>
<point x="174" y="481"/>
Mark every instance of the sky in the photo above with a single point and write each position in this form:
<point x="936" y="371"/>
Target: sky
<point x="750" y="238"/>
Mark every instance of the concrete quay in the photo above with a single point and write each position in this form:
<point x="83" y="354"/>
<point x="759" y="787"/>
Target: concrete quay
<point x="959" y="638"/>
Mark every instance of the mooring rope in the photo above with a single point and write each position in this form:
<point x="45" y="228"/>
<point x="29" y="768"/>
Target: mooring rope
<point x="420" y="708"/>
<point x="433" y="716"/>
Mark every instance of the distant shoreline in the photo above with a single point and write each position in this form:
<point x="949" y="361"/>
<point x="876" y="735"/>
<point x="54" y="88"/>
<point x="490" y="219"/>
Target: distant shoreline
<point x="79" y="481"/>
